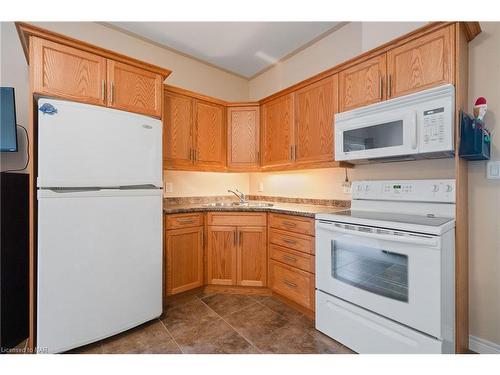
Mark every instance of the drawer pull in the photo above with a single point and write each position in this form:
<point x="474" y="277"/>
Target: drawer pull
<point x="289" y="241"/>
<point x="288" y="257"/>
<point x="187" y="221"/>
<point x="289" y="224"/>
<point x="290" y="284"/>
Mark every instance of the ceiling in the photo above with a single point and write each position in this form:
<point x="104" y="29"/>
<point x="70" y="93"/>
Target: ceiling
<point x="244" y="48"/>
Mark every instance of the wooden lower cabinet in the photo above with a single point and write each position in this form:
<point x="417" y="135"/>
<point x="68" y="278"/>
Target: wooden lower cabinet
<point x="183" y="259"/>
<point x="291" y="258"/>
<point x="292" y="283"/>
<point x="237" y="255"/>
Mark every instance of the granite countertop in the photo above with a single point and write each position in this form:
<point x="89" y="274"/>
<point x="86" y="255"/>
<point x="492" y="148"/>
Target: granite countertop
<point x="278" y="207"/>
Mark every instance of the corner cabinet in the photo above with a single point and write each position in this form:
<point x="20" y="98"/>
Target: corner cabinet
<point x="243" y="138"/>
<point x="237" y="249"/>
<point x="68" y="72"/>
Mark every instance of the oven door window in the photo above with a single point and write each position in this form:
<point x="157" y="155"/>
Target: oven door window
<point x="372" y="269"/>
<point x="388" y="134"/>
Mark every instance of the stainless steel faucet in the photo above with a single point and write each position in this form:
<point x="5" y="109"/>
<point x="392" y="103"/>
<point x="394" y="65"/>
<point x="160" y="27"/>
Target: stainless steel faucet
<point x="239" y="194"/>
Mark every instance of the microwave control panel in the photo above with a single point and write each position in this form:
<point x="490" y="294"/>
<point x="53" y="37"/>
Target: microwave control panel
<point x="433" y="126"/>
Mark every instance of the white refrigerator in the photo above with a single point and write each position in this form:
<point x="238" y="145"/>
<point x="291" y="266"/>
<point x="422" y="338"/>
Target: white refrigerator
<point x="99" y="238"/>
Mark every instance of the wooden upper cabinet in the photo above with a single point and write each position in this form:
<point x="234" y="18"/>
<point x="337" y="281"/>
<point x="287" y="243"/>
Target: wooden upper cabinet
<point x="243" y="146"/>
<point x="210" y="136"/>
<point x="252" y="256"/>
<point x="362" y="84"/>
<point x="315" y="106"/>
<point x="177" y="130"/>
<point x="133" y="89"/>
<point x="67" y="72"/>
<point x="422" y="63"/>
<point x="277" y="131"/>
<point x="221" y="255"/>
<point x="183" y="259"/>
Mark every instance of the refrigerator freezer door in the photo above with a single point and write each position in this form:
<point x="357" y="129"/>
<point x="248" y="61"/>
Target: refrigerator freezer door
<point x="84" y="145"/>
<point x="99" y="264"/>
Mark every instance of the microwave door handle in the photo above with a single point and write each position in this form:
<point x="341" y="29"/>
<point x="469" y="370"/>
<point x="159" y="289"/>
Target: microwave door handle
<point x="415" y="130"/>
<point x="393" y="238"/>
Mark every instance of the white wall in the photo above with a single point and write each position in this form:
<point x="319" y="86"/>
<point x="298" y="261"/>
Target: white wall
<point x="484" y="195"/>
<point x="14" y="73"/>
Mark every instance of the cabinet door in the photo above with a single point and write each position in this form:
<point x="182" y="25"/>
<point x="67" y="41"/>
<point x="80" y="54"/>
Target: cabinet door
<point x="362" y="84"/>
<point x="221" y="255"/>
<point x="184" y="259"/>
<point x="277" y="131"/>
<point x="421" y="63"/>
<point x="210" y="136"/>
<point x="133" y="89"/>
<point x="68" y="72"/>
<point x="177" y="130"/>
<point x="243" y="137"/>
<point x="252" y="256"/>
<point x="315" y="106"/>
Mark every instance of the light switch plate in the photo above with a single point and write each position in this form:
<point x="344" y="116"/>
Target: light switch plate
<point x="493" y="170"/>
<point x="261" y="187"/>
<point x="169" y="187"/>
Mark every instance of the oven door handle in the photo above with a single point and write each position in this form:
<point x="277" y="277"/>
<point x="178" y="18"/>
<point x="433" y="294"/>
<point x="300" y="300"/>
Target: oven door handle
<point x="402" y="237"/>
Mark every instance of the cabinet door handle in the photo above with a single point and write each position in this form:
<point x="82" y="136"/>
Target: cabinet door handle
<point x="234" y="238"/>
<point x="112" y="93"/>
<point x="288" y="257"/>
<point x="190" y="154"/>
<point x="295" y="152"/>
<point x="103" y="89"/>
<point x="240" y="238"/>
<point x="289" y="241"/>
<point x="381" y="91"/>
<point x="291" y="153"/>
<point x="289" y="283"/>
<point x="389" y="86"/>
<point x="289" y="224"/>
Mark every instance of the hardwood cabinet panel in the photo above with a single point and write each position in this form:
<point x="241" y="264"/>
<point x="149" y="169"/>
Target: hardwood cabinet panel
<point x="296" y="224"/>
<point x="133" y="89"/>
<point x="184" y="259"/>
<point x="243" y="149"/>
<point x="291" y="240"/>
<point x="67" y="72"/>
<point x="292" y="258"/>
<point x="178" y="221"/>
<point x="210" y="135"/>
<point x="221" y="255"/>
<point x="277" y="131"/>
<point x="422" y="63"/>
<point x="315" y="106"/>
<point x="292" y="283"/>
<point x="252" y="256"/>
<point x="237" y="218"/>
<point x="178" y="130"/>
<point x="362" y="84"/>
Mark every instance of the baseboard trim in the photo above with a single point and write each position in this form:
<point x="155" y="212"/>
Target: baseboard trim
<point x="482" y="346"/>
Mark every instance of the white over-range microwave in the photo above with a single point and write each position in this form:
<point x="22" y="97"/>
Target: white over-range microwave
<point x="410" y="127"/>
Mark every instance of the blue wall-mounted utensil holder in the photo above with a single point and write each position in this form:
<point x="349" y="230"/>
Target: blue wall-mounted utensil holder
<point x="475" y="143"/>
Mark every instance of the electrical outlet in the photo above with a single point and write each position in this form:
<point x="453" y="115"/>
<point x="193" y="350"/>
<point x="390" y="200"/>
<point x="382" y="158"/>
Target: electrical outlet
<point x="261" y="187"/>
<point x="493" y="170"/>
<point x="169" y="187"/>
<point x="347" y="187"/>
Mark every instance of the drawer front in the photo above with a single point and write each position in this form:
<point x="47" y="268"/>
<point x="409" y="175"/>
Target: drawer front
<point x="178" y="221"/>
<point x="292" y="283"/>
<point x="256" y="219"/>
<point x="293" y="241"/>
<point x="292" y="258"/>
<point x="296" y="224"/>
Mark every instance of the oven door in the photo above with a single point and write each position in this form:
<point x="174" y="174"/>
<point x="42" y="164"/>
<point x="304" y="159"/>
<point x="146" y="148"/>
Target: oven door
<point x="387" y="134"/>
<point x="392" y="273"/>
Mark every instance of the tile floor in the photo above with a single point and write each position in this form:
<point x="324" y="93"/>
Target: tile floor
<point x="222" y="323"/>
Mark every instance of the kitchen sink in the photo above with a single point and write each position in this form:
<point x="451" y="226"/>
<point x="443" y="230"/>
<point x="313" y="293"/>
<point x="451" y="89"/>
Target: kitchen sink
<point x="239" y="204"/>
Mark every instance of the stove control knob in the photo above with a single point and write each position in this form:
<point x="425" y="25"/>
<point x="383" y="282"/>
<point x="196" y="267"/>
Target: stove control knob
<point x="435" y="188"/>
<point x="449" y="188"/>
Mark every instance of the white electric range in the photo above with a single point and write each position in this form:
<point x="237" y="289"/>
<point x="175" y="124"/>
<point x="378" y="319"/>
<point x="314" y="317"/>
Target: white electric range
<point x="385" y="268"/>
